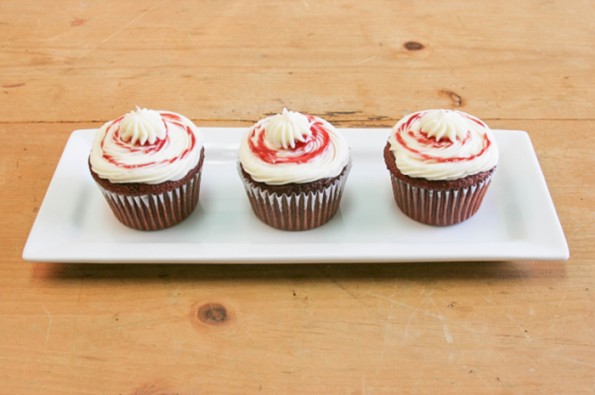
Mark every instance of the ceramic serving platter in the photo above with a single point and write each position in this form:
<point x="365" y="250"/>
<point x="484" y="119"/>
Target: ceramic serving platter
<point x="517" y="220"/>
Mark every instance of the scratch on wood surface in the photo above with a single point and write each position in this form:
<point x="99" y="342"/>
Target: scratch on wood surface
<point x="531" y="290"/>
<point x="348" y="292"/>
<point x="364" y="386"/>
<point x="380" y="361"/>
<point x="572" y="360"/>
<point x="132" y="22"/>
<point x="405" y="305"/>
<point x="173" y="296"/>
<point x="49" y="328"/>
<point x="562" y="300"/>
<point x="408" y="324"/>
<point x="525" y="332"/>
<point x="344" y="289"/>
<point x="446" y="332"/>
<point x="366" y="60"/>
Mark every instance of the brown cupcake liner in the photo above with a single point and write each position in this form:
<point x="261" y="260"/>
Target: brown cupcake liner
<point x="439" y="207"/>
<point x="296" y="211"/>
<point x="155" y="211"/>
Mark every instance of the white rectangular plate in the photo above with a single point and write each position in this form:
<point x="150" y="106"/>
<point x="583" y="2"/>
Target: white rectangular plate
<point x="517" y="220"/>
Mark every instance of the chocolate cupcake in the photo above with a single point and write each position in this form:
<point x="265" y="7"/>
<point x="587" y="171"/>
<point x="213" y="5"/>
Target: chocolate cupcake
<point x="441" y="163"/>
<point x="294" y="167"/>
<point x="148" y="166"/>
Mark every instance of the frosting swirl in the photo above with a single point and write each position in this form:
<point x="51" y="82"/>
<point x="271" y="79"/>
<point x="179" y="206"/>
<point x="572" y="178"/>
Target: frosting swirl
<point x="293" y="148"/>
<point x="443" y="145"/>
<point x="146" y="146"/>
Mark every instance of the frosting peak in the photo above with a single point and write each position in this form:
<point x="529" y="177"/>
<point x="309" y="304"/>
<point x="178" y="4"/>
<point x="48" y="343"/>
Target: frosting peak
<point x="285" y="129"/>
<point x="141" y="126"/>
<point x="441" y="124"/>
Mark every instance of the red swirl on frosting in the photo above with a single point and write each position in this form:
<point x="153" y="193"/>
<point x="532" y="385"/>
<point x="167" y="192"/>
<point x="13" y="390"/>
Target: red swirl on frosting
<point x="429" y="141"/>
<point x="147" y="148"/>
<point x="303" y="151"/>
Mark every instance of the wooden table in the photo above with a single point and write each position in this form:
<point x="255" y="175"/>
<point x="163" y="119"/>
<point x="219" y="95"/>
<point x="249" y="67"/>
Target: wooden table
<point x="504" y="327"/>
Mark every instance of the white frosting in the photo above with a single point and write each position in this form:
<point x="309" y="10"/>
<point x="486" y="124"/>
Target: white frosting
<point x="142" y="125"/>
<point x="443" y="145"/>
<point x="282" y="133"/>
<point x="443" y="123"/>
<point x="122" y="151"/>
<point x="283" y="130"/>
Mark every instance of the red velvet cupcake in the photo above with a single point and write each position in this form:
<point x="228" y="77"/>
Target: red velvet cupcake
<point x="294" y="168"/>
<point x="148" y="166"/>
<point x="441" y="163"/>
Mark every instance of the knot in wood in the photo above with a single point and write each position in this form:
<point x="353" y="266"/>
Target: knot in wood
<point x="212" y="314"/>
<point x="413" y="46"/>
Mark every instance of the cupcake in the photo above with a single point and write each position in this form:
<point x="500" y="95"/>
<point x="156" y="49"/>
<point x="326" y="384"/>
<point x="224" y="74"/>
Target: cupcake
<point x="441" y="163"/>
<point x="148" y="165"/>
<point x="294" y="168"/>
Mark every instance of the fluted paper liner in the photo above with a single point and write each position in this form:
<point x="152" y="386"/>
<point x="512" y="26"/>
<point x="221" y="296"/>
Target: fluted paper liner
<point x="439" y="207"/>
<point x="155" y="211"/>
<point x="296" y="211"/>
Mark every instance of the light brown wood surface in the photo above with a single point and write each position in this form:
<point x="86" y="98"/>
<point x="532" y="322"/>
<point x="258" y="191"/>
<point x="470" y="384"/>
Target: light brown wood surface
<point x="504" y="327"/>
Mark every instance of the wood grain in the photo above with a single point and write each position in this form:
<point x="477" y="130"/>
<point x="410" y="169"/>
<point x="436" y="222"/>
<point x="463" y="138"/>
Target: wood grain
<point x="474" y="327"/>
<point x="238" y="60"/>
